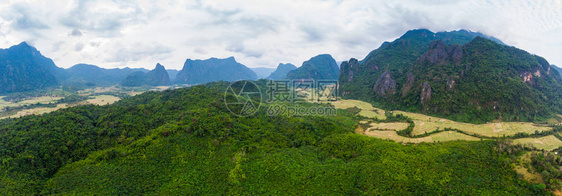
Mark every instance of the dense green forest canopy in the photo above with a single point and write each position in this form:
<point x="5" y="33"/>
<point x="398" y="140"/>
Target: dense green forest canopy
<point x="185" y="142"/>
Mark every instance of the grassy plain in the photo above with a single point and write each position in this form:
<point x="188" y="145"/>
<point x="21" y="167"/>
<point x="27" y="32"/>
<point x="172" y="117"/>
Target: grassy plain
<point x="547" y="142"/>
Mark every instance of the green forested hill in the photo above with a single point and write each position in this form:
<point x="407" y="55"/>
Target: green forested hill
<point x="477" y="81"/>
<point x="321" y="67"/>
<point x="185" y="142"/>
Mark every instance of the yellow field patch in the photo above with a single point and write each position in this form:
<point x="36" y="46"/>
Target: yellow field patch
<point x="389" y="126"/>
<point x="36" y="111"/>
<point x="490" y="129"/>
<point x="103" y="99"/>
<point x="547" y="142"/>
<point x="424" y="123"/>
<point x="452" y="136"/>
<point x="428" y="124"/>
<point x="367" y="110"/>
<point x="160" y="88"/>
<point x="34" y="100"/>
<point x="438" y="137"/>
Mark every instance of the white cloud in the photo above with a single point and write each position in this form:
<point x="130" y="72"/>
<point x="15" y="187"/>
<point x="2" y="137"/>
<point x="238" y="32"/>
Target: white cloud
<point x="141" y="33"/>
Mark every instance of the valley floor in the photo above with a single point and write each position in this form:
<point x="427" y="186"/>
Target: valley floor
<point x="37" y="103"/>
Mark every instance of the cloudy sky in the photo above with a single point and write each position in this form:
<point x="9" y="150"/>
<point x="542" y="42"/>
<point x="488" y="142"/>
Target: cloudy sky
<point x="260" y="33"/>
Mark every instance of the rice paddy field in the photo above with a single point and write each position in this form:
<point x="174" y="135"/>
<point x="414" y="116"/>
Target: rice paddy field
<point x="426" y="124"/>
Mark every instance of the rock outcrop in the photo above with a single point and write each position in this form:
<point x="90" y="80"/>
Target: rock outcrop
<point x="425" y="95"/>
<point x="439" y="53"/>
<point x="410" y="79"/>
<point x="450" y="83"/>
<point x="385" y="85"/>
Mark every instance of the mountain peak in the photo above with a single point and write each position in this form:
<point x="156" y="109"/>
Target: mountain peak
<point x="159" y="66"/>
<point x="23" y="68"/>
<point x="24" y="43"/>
<point x="157" y="77"/>
<point x="287" y="65"/>
<point x="23" y="46"/>
<point x="417" y="33"/>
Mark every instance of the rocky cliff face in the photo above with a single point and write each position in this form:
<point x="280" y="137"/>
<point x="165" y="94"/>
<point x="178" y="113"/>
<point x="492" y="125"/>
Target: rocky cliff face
<point x="385" y="85"/>
<point x="439" y="53"/>
<point x="410" y="79"/>
<point x="425" y="95"/>
<point x="348" y="69"/>
<point x="23" y="68"/>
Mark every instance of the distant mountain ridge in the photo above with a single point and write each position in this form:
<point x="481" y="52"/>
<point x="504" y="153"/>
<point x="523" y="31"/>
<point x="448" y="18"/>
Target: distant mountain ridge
<point x="86" y="73"/>
<point x="157" y="77"/>
<point x="321" y="67"/>
<point x="24" y="68"/>
<point x="213" y="69"/>
<point x="281" y="71"/>
<point x="459" y="75"/>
